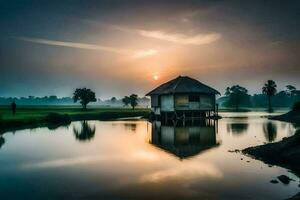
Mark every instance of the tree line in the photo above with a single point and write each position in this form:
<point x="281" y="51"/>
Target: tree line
<point x="54" y="100"/>
<point x="32" y="100"/>
<point x="86" y="96"/>
<point x="237" y="96"/>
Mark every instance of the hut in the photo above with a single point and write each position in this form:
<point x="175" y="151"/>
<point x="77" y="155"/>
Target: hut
<point x="183" y="97"/>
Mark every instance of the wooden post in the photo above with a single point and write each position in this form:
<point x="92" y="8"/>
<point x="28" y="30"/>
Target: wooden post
<point x="192" y="117"/>
<point x="166" y="117"/>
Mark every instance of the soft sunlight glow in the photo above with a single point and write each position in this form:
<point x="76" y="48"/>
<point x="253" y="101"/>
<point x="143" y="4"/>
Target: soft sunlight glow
<point x="155" y="77"/>
<point x="144" y="53"/>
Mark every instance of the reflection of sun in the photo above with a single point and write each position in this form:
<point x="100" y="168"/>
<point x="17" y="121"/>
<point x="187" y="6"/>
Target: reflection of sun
<point x="155" y="77"/>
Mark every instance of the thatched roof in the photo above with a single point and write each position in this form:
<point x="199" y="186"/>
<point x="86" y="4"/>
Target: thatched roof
<point x="182" y="84"/>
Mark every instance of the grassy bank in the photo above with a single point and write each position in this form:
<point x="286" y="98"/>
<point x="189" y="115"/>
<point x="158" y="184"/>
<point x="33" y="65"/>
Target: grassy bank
<point x="27" y="117"/>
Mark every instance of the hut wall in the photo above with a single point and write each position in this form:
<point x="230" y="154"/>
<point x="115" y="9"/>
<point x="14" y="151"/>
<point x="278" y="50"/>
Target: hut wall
<point x="207" y="102"/>
<point x="167" y="103"/>
<point x="154" y="101"/>
<point x="194" y="102"/>
<point x="181" y="101"/>
<point x="156" y="110"/>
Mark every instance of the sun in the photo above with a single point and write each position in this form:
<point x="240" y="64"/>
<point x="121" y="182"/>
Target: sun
<point x="155" y="77"/>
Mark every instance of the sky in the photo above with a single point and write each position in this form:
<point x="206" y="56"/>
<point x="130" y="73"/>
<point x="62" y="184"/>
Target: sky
<point x="117" y="48"/>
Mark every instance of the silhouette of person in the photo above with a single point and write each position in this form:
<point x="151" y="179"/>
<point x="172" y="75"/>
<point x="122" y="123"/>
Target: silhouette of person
<point x="13" y="107"/>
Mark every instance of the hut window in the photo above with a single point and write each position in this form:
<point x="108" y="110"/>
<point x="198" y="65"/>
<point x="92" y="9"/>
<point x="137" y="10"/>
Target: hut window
<point x="194" y="98"/>
<point x="181" y="100"/>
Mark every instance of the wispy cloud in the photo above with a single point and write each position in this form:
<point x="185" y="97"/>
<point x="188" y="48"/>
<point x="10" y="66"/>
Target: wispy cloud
<point x="145" y="53"/>
<point x="198" y="39"/>
<point x="134" y="53"/>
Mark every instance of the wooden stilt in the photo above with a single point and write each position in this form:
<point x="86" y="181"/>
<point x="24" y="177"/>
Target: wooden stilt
<point x="192" y="117"/>
<point x="166" y="117"/>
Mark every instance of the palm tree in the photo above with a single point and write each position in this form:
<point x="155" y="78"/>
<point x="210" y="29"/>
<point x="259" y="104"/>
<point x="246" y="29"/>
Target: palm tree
<point x="269" y="89"/>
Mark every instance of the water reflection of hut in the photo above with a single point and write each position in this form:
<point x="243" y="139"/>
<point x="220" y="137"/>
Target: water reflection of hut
<point x="183" y="97"/>
<point x="183" y="141"/>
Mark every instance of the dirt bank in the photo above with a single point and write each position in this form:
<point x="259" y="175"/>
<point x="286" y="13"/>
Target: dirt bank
<point x="285" y="153"/>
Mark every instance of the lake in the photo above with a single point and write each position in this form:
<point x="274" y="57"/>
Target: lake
<point x="143" y="160"/>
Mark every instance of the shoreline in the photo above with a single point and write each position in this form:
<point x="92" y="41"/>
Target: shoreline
<point x="284" y="153"/>
<point x="56" y="118"/>
<point x="291" y="117"/>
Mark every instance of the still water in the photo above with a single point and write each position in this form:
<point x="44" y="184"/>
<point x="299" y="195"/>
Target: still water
<point x="143" y="160"/>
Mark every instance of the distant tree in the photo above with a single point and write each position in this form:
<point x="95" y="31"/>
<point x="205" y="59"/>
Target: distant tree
<point x="270" y="90"/>
<point x="113" y="100"/>
<point x="237" y="96"/>
<point x="227" y="91"/>
<point x="133" y="100"/>
<point x="53" y="97"/>
<point x="85" y="96"/>
<point x="126" y="100"/>
<point x="290" y="90"/>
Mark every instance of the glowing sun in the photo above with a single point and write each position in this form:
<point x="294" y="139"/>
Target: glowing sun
<point x="155" y="77"/>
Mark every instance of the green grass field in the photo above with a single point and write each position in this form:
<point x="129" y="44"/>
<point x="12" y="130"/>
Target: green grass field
<point x="33" y="112"/>
<point x="37" y="115"/>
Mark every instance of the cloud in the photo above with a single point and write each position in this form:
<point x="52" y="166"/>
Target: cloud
<point x="65" y="162"/>
<point x="145" y="53"/>
<point x="135" y="53"/>
<point x="75" y="45"/>
<point x="198" y="39"/>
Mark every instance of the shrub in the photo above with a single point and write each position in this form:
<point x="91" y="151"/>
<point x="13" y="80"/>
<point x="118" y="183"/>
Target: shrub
<point x="296" y="107"/>
<point x="56" y="118"/>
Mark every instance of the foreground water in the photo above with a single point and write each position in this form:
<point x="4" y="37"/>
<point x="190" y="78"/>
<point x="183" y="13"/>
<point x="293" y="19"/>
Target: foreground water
<point x="140" y="160"/>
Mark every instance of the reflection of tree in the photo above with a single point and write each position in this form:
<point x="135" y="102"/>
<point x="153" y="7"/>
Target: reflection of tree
<point x="53" y="127"/>
<point x="2" y="141"/>
<point x="130" y="126"/>
<point x="270" y="131"/>
<point x="237" y="128"/>
<point x="86" y="133"/>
